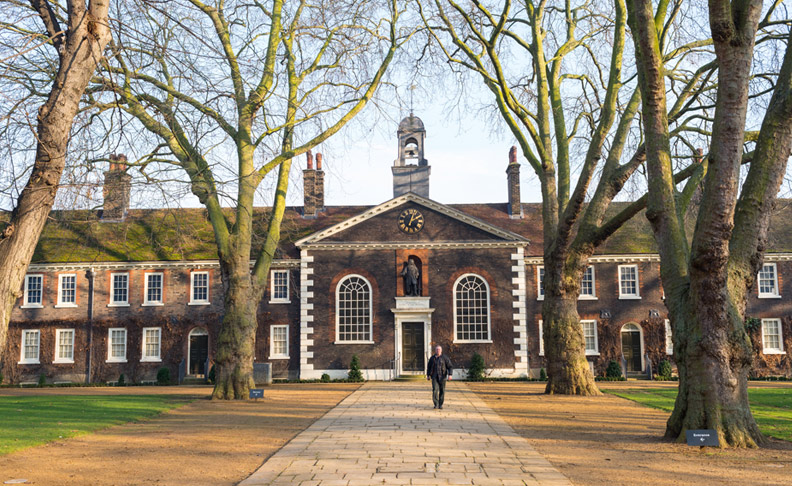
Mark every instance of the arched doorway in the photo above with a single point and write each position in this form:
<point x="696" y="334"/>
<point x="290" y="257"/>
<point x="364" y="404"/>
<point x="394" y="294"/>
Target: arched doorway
<point x="197" y="352"/>
<point x="632" y="347"/>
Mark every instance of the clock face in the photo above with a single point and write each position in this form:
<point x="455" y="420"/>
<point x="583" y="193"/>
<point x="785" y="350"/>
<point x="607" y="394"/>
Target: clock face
<point x="411" y="221"/>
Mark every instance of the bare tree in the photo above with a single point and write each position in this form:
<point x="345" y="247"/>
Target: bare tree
<point x="79" y="32"/>
<point x="555" y="69"/>
<point x="232" y="92"/>
<point x="707" y="281"/>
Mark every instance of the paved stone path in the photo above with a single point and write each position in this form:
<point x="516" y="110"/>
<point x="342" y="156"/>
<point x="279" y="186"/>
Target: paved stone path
<point x="388" y="433"/>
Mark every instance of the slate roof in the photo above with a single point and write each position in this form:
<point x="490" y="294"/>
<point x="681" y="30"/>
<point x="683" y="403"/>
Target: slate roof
<point x="186" y="234"/>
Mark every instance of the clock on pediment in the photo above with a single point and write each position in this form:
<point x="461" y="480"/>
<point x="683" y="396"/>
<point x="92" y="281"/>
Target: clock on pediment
<point x="411" y="221"/>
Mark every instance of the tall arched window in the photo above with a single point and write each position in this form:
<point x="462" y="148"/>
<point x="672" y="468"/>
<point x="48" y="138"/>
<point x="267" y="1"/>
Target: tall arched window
<point x="353" y="310"/>
<point x="471" y="309"/>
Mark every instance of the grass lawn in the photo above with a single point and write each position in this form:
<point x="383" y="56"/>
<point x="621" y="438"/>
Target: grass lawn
<point x="771" y="407"/>
<point x="27" y="421"/>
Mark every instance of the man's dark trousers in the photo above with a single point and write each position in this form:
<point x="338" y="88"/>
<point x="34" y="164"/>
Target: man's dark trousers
<point x="438" y="390"/>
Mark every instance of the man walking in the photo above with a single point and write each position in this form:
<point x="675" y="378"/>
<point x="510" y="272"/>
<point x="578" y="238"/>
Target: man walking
<point x="438" y="369"/>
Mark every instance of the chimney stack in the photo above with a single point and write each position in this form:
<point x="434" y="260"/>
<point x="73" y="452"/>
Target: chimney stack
<point x="513" y="178"/>
<point x="313" y="186"/>
<point x="116" y="189"/>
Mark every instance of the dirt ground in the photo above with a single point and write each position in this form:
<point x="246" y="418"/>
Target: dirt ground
<point x="202" y="443"/>
<point x="612" y="441"/>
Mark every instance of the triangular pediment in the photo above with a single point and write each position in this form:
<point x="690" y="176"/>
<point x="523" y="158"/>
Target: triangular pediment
<point x="442" y="224"/>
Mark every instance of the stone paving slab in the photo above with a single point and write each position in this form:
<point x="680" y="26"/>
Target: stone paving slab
<point x="388" y="433"/>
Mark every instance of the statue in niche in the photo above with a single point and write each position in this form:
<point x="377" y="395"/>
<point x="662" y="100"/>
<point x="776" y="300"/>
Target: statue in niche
<point x="412" y="279"/>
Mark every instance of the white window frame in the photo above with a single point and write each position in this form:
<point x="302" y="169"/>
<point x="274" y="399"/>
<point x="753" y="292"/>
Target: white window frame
<point x="489" y="316"/>
<point x="539" y="279"/>
<point x="371" y="311"/>
<point x="637" y="294"/>
<point x="541" y="337"/>
<point x="272" y="354"/>
<point x="593" y="295"/>
<point x="193" y="301"/>
<point x="58" y="358"/>
<point x="26" y="304"/>
<point x="595" y="351"/>
<point x="776" y="294"/>
<point x="669" y="339"/>
<point x="273" y="300"/>
<point x="61" y="303"/>
<point x="22" y="359"/>
<point x="146" y="301"/>
<point x="780" y="349"/>
<point x="110" y="357"/>
<point x="143" y="342"/>
<point x="114" y="303"/>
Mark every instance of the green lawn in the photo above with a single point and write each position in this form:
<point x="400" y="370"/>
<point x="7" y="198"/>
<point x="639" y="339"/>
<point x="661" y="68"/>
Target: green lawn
<point x="33" y="420"/>
<point x="771" y="407"/>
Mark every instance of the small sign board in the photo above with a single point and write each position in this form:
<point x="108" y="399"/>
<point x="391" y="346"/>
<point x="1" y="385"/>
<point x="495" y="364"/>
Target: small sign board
<point x="703" y="437"/>
<point x="256" y="393"/>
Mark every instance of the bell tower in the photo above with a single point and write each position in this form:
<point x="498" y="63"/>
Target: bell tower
<point x="411" y="170"/>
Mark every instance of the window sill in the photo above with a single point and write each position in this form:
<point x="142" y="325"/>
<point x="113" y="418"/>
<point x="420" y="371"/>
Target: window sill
<point x="66" y="306"/>
<point x="116" y="361"/>
<point x="588" y="297"/>
<point x="31" y="306"/>
<point x="198" y="303"/>
<point x="589" y="353"/>
<point x="118" y="304"/>
<point x="472" y="341"/>
<point x="151" y="360"/>
<point x="29" y="362"/>
<point x="152" y="304"/>
<point x="669" y="354"/>
<point x="773" y="351"/>
<point x="540" y="298"/>
<point x="629" y="297"/>
<point x="769" y="296"/>
<point x="279" y="357"/>
<point x="541" y="354"/>
<point x="63" y="361"/>
<point x="279" y="301"/>
<point x="353" y="342"/>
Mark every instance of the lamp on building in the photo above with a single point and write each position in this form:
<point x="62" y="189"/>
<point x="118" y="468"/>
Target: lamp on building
<point x="605" y="314"/>
<point x="654" y="313"/>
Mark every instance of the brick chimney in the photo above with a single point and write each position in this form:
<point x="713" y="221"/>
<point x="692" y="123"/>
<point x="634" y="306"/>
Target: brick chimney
<point x="513" y="178"/>
<point x="313" y="186"/>
<point x="116" y="189"/>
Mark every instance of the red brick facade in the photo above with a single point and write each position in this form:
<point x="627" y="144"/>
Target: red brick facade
<point x="451" y="244"/>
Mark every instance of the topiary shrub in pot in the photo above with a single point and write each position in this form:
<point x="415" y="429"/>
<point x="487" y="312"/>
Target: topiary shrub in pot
<point x="542" y="375"/>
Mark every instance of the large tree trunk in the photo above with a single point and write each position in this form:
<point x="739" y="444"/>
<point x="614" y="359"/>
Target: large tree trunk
<point x="80" y="50"/>
<point x="713" y="355"/>
<point x="236" y="344"/>
<point x="568" y="371"/>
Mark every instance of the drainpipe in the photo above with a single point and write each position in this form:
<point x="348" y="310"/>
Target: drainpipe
<point x="90" y="275"/>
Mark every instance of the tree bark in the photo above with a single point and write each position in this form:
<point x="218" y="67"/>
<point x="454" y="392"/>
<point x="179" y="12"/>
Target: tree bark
<point x="568" y="371"/>
<point x="236" y="342"/>
<point x="80" y="49"/>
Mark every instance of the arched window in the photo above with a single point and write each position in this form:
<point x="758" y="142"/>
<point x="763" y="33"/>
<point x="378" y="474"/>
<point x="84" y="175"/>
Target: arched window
<point x="353" y="310"/>
<point x="471" y="309"/>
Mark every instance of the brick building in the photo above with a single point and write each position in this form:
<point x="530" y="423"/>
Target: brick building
<point x="130" y="291"/>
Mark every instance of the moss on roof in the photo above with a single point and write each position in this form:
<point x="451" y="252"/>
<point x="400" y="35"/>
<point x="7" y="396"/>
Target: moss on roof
<point x="186" y="234"/>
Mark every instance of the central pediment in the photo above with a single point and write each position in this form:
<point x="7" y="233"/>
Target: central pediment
<point x="412" y="220"/>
